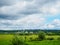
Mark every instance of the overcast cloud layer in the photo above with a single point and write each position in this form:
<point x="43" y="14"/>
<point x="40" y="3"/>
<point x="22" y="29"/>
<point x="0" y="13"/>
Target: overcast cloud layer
<point x="29" y="14"/>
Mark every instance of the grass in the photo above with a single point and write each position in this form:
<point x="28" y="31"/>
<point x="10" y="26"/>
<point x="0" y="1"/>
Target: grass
<point x="6" y="40"/>
<point x="44" y="42"/>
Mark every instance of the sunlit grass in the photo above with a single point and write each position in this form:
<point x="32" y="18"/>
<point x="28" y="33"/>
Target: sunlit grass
<point x="6" y="40"/>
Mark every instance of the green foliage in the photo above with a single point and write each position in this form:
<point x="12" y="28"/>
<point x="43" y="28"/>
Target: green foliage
<point x="31" y="39"/>
<point x="41" y="35"/>
<point x="50" y="38"/>
<point x="58" y="38"/>
<point x="20" y="40"/>
<point x="17" y="41"/>
<point x="51" y="33"/>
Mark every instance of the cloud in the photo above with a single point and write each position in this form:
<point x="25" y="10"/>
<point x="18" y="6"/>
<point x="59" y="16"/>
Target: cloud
<point x="55" y="24"/>
<point x="51" y="8"/>
<point x="29" y="22"/>
<point x="49" y="26"/>
<point x="7" y="2"/>
<point x="29" y="14"/>
<point x="30" y="7"/>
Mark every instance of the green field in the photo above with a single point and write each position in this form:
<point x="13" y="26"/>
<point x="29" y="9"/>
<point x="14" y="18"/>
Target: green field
<point x="6" y="40"/>
<point x="45" y="42"/>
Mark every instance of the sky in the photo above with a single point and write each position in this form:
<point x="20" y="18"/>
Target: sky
<point x="29" y="14"/>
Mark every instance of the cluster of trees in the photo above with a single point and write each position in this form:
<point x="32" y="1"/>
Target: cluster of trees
<point x="41" y="36"/>
<point x="52" y="33"/>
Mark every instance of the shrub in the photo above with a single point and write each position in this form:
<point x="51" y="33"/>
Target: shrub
<point x="41" y="35"/>
<point x="31" y="39"/>
<point x="17" y="41"/>
<point x="50" y="38"/>
<point x="58" y="38"/>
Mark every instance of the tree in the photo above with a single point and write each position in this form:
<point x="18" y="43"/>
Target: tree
<point x="41" y="35"/>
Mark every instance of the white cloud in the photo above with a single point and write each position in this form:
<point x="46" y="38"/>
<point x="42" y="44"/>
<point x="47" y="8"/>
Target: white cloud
<point x="31" y="7"/>
<point x="29" y="13"/>
<point x="50" y="26"/>
<point x="55" y="24"/>
<point x="51" y="8"/>
<point x="13" y="9"/>
<point x="29" y="22"/>
<point x="56" y="21"/>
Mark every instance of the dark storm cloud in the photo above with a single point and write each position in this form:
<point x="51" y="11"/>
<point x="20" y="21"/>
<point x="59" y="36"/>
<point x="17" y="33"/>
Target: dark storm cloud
<point x="8" y="17"/>
<point x="6" y="2"/>
<point x="9" y="2"/>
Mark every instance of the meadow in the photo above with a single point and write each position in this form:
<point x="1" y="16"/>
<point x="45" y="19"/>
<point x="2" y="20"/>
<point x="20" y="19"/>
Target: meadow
<point x="6" y="39"/>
